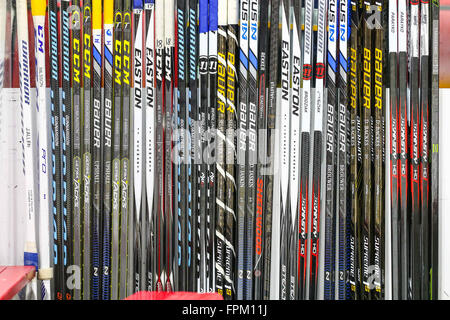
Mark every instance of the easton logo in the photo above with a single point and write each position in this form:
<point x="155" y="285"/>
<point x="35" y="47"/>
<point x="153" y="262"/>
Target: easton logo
<point x="296" y="88"/>
<point x="150" y="77"/>
<point x="137" y="78"/>
<point x="285" y="71"/>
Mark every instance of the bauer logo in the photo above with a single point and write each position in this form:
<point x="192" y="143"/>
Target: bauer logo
<point x="367" y="78"/>
<point x="378" y="79"/>
<point x="374" y="20"/>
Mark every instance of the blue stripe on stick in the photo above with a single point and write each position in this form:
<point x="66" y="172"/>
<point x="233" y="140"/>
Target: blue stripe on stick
<point x="108" y="56"/>
<point x="343" y="62"/>
<point x="332" y="62"/>
<point x="243" y="59"/>
<point x="97" y="56"/>
<point x="253" y="59"/>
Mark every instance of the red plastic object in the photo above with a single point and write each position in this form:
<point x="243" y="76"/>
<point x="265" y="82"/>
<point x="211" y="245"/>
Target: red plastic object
<point x="13" y="279"/>
<point x="153" y="295"/>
